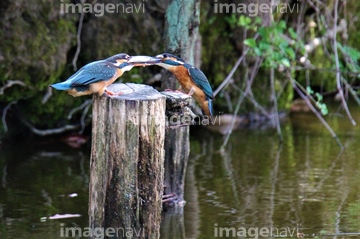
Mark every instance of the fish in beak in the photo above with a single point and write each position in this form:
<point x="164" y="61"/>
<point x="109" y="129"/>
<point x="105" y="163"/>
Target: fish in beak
<point x="143" y="60"/>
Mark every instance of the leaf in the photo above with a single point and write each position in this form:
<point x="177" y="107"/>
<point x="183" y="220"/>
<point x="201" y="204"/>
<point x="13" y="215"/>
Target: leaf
<point x="250" y="42"/>
<point x="257" y="51"/>
<point x="280" y="27"/>
<point x="263" y="45"/>
<point x="211" y="20"/>
<point x="275" y="56"/>
<point x="309" y="90"/>
<point x="319" y="97"/>
<point x="292" y="33"/>
<point x="231" y="20"/>
<point x="241" y="21"/>
<point x="285" y="62"/>
<point x="324" y="110"/>
<point x="290" y="52"/>
<point x="353" y="53"/>
<point x="258" y="20"/>
<point x="264" y="32"/>
<point x="247" y="20"/>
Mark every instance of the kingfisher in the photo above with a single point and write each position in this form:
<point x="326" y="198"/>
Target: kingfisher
<point x="192" y="80"/>
<point x="96" y="76"/>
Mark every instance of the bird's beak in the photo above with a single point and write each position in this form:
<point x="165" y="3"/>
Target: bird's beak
<point x="143" y="60"/>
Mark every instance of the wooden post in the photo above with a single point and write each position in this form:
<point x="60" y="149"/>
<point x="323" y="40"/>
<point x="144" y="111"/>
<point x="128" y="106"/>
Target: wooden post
<point x="127" y="160"/>
<point x="177" y="144"/>
<point x="182" y="21"/>
<point x="177" y="149"/>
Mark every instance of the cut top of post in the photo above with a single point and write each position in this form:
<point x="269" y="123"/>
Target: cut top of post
<point x="132" y="91"/>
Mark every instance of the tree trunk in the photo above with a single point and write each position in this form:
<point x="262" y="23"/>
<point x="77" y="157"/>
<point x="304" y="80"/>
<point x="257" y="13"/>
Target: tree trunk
<point x="181" y="33"/>
<point x="182" y="22"/>
<point x="127" y="162"/>
<point x="181" y="37"/>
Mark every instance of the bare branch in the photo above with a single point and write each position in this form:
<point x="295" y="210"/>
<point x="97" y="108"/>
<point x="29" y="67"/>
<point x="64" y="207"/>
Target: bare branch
<point x="256" y="104"/>
<point x="230" y="75"/>
<point x="9" y="84"/>
<point x="45" y="132"/>
<point x="3" y="118"/>
<point x="155" y="78"/>
<point x="338" y="74"/>
<point x="276" y="119"/>
<point x="82" y="120"/>
<point x="78" y="38"/>
<point x="308" y="103"/>
<point x="47" y="95"/>
<point x="82" y="106"/>
<point x="351" y="90"/>
<point x="249" y="82"/>
<point x="311" y="46"/>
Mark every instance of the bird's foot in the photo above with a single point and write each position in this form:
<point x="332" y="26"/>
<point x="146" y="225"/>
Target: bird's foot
<point x="112" y="94"/>
<point x="169" y="198"/>
<point x="176" y="126"/>
<point x="177" y="91"/>
<point x="191" y="92"/>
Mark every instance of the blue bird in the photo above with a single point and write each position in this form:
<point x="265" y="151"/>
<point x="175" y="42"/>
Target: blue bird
<point x="96" y="76"/>
<point x="192" y="80"/>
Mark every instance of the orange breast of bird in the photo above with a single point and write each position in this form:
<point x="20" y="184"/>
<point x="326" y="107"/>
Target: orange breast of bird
<point x="186" y="82"/>
<point x="182" y="75"/>
<point x="75" y="93"/>
<point x="99" y="87"/>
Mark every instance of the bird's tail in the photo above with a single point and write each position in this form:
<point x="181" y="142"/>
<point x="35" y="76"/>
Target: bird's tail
<point x="61" y="86"/>
<point x="210" y="106"/>
<point x="207" y="107"/>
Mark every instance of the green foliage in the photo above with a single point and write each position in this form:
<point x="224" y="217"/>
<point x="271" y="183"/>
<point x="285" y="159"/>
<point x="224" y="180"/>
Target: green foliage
<point x="352" y="57"/>
<point x="35" y="51"/>
<point x="273" y="47"/>
<point x="243" y="21"/>
<point x="318" y="100"/>
<point x="216" y="61"/>
<point x="38" y="44"/>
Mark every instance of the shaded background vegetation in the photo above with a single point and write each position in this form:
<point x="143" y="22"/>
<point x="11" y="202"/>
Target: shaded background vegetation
<point x="39" y="43"/>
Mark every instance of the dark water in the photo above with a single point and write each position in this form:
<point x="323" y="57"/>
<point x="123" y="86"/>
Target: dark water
<point x="253" y="186"/>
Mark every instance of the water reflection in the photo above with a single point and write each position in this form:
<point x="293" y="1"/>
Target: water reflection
<point x="303" y="184"/>
<point x="37" y="183"/>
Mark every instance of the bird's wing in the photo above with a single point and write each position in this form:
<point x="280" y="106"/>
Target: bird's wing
<point x="200" y="80"/>
<point x="93" y="72"/>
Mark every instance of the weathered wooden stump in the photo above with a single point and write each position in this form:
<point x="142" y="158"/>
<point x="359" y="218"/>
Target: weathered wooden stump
<point x="177" y="143"/>
<point x="127" y="159"/>
<point x="127" y="162"/>
<point x="177" y="148"/>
